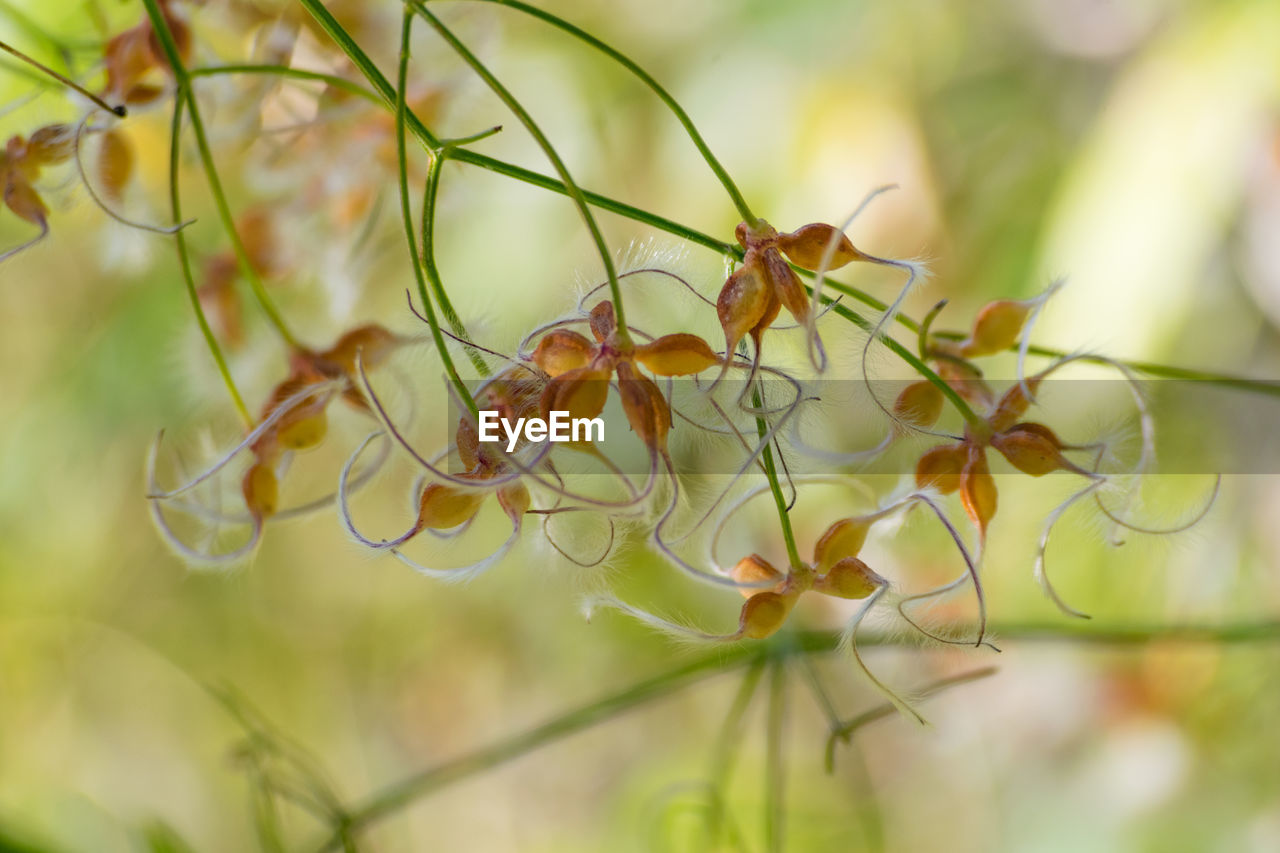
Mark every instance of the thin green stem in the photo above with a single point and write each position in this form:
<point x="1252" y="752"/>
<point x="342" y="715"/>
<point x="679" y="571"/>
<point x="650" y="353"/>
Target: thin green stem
<point x="406" y="211"/>
<point x="184" y="260"/>
<point x="160" y="25"/>
<point x="118" y="110"/>
<point x="573" y="190"/>
<point x="775" y="487"/>
<point x="735" y="195"/>
<point x="386" y="93"/>
<point x="292" y="73"/>
<point x="429" y="194"/>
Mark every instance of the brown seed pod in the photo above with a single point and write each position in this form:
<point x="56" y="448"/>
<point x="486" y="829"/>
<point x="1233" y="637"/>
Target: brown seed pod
<point x="940" y="467"/>
<point x="786" y="285"/>
<point x="645" y="407"/>
<point x="744" y="301"/>
<point x="808" y="243"/>
<point x="676" y="355"/>
<point x="373" y="343"/>
<point x="51" y="145"/>
<point x="563" y="350"/>
<point x="1032" y="449"/>
<point x="849" y="578"/>
<point x="755" y="569"/>
<point x="602" y="320"/>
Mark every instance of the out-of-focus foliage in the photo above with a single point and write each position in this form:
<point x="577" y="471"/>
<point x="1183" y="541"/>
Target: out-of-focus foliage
<point x="1132" y="147"/>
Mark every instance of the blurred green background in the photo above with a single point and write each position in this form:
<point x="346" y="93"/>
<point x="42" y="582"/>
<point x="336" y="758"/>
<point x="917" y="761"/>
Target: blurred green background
<point x="1133" y="147"/>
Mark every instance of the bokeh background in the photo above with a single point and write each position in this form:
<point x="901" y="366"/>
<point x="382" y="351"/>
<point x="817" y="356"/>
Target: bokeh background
<point x="1132" y="147"/>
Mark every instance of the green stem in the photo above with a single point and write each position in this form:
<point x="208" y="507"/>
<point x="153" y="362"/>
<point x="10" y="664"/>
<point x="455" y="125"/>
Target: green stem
<point x="183" y="80"/>
<point x="386" y="93"/>
<point x="184" y="259"/>
<point x="285" y="71"/>
<point x="735" y="195"/>
<point x="406" y="211"/>
<point x="429" y="194"/>
<point x="771" y="474"/>
<point x="432" y="779"/>
<point x="573" y="190"/>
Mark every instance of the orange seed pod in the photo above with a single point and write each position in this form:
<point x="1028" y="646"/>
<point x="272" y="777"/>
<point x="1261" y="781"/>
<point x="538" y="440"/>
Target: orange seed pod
<point x="978" y="490"/>
<point x="763" y="614"/>
<point x="677" y="355"/>
<point x="443" y="507"/>
<point x="849" y="578"/>
<point x="755" y="569"/>
<point x="841" y="540"/>
<point x="744" y="301"/>
<point x="1013" y="405"/>
<point x="645" y="407"/>
<point x="115" y="164"/>
<point x="1032" y="449"/>
<point x="582" y="393"/>
<point x="24" y="201"/>
<point x="563" y="350"/>
<point x="940" y="467"/>
<point x="996" y="328"/>
<point x="807" y="244"/>
<point x="786" y="285"/>
<point x="514" y="500"/>
<point x="261" y="490"/>
<point x="919" y="404"/>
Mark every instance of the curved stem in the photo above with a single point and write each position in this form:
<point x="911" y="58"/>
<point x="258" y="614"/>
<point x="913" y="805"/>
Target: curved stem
<point x="571" y="188"/>
<point x="722" y="175"/>
<point x="386" y="93"/>
<point x="429" y="193"/>
<point x="771" y="472"/>
<point x="184" y="260"/>
<point x="407" y="213"/>
<point x="160" y="25"/>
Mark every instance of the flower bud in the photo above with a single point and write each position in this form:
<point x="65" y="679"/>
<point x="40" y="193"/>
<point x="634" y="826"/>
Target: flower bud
<point x="807" y="244"/>
<point x="849" y="578"/>
<point x="940" y="467"/>
<point x="763" y="614"/>
<point x="563" y="350"/>
<point x="755" y="569"/>
<point x="676" y="355"/>
<point x="919" y="404"/>
<point x="843" y="539"/>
